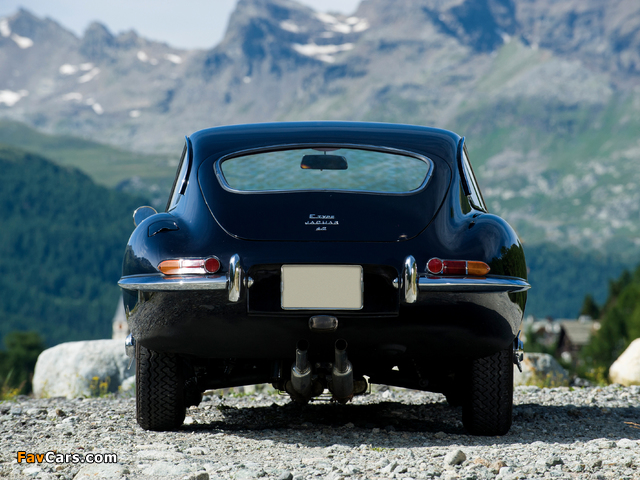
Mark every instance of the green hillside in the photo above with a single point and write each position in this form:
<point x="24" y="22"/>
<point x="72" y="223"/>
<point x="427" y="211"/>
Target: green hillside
<point x="620" y="319"/>
<point x="106" y="165"/>
<point x="561" y="277"/>
<point x="61" y="247"/>
<point x="559" y="162"/>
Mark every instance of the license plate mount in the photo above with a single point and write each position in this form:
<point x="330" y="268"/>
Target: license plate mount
<point x="321" y="287"/>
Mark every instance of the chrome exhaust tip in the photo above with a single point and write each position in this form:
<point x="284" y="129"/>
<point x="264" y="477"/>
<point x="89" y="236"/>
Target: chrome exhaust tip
<point x="301" y="371"/>
<point x="342" y="374"/>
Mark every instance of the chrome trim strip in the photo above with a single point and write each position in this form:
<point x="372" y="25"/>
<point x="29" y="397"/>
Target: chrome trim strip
<point x="161" y="283"/>
<point x="489" y="284"/>
<point x="293" y="146"/>
<point x="410" y="279"/>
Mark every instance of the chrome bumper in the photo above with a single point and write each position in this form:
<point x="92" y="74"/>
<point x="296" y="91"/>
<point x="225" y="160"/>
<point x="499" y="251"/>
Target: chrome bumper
<point x="489" y="284"/>
<point x="160" y="283"/>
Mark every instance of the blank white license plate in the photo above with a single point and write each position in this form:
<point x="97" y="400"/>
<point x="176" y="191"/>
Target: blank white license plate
<point x="321" y="287"/>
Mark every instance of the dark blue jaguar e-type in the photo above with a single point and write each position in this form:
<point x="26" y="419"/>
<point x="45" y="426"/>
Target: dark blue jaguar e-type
<point x="324" y="256"/>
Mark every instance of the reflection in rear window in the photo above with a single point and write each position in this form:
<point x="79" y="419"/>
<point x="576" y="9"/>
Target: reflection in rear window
<point x="367" y="170"/>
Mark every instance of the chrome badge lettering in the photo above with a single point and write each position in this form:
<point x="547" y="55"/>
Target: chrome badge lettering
<point x="315" y="219"/>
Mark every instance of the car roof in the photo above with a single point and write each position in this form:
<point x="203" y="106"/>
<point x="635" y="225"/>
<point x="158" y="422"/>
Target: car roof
<point x="220" y="141"/>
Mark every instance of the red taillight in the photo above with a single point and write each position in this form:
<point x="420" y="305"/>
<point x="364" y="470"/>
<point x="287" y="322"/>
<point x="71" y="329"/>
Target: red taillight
<point x="190" y="266"/>
<point x="212" y="265"/>
<point x="457" y="267"/>
<point x="454" y="267"/>
<point x="434" y="266"/>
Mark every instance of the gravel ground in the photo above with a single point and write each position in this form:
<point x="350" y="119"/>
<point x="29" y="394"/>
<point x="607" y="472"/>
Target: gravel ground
<point x="588" y="433"/>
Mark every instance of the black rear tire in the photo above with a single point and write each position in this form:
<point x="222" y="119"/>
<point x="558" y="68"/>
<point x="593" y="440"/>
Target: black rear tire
<point x="488" y="406"/>
<point x="160" y="402"/>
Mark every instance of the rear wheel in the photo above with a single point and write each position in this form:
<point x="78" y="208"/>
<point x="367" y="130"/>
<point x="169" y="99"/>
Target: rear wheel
<point x="160" y="402"/>
<point x="488" y="406"/>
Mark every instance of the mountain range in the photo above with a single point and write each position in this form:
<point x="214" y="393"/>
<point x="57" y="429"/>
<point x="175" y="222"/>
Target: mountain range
<point x="546" y="92"/>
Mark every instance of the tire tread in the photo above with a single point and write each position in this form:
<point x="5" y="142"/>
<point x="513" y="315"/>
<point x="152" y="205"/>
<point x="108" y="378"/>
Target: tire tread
<point x="159" y="390"/>
<point x="488" y="408"/>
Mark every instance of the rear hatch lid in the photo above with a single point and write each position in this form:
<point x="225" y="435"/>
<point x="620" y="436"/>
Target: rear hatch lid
<point x="324" y="193"/>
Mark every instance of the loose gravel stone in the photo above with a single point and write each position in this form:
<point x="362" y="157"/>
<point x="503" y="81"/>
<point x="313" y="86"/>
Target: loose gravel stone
<point x="455" y="457"/>
<point x="588" y="433"/>
<point x="93" y="471"/>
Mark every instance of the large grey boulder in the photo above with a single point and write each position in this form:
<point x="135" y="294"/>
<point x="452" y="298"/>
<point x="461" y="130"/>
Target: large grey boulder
<point x="81" y="369"/>
<point x="542" y="370"/>
<point x="626" y="369"/>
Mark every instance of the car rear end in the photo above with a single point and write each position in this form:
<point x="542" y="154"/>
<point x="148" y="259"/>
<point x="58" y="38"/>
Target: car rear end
<point x="328" y="241"/>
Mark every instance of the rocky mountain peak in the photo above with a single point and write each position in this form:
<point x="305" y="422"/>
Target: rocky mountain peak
<point x="274" y="36"/>
<point x="287" y="29"/>
<point x="480" y="24"/>
<point x="24" y="29"/>
<point x="129" y="39"/>
<point x="25" y="24"/>
<point x="97" y="43"/>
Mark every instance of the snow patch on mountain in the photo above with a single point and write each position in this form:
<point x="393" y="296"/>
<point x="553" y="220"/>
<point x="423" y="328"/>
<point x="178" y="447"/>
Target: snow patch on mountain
<point x="22" y="42"/>
<point x="173" y="58"/>
<point x="97" y="108"/>
<point x="350" y="25"/>
<point x="322" y="52"/>
<point x="72" y="96"/>
<point x="68" y="69"/>
<point x="10" y="98"/>
<point x="87" y="77"/>
<point x="5" y="31"/>
<point x="289" y="26"/>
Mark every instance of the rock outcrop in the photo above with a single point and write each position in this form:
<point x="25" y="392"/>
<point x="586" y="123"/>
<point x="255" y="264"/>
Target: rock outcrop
<point x="626" y="369"/>
<point x="82" y="369"/>
<point x="541" y="369"/>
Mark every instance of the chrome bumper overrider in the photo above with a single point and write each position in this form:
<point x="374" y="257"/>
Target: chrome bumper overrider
<point x="160" y="283"/>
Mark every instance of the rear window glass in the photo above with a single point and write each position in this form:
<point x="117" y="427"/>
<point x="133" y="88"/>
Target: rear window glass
<point x="348" y="169"/>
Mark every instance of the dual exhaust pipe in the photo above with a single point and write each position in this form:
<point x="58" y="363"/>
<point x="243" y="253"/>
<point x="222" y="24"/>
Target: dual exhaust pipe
<point x="341" y="380"/>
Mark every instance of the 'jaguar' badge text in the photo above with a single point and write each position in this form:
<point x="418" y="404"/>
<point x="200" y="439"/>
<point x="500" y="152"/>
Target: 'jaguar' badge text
<point x="321" y="221"/>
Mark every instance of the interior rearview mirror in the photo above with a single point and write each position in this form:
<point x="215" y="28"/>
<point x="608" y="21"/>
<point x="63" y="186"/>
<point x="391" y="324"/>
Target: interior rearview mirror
<point x="324" y="162"/>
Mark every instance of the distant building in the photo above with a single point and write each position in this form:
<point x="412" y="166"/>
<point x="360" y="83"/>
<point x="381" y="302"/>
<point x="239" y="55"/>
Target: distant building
<point x="546" y="331"/>
<point x="574" y="336"/>
<point x="120" y="325"/>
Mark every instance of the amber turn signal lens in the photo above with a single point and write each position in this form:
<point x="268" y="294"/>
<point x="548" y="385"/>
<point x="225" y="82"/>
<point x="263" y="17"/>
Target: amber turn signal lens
<point x="190" y="266"/>
<point x="479" y="269"/>
<point x="170" y="267"/>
